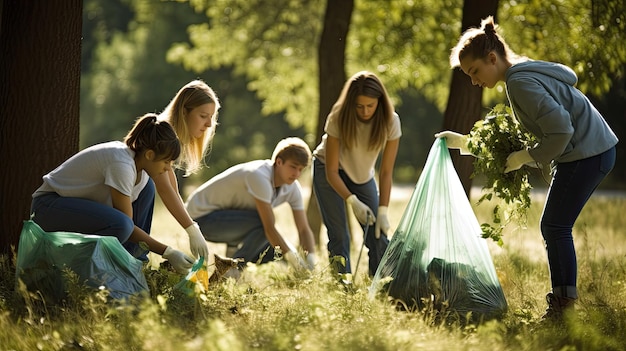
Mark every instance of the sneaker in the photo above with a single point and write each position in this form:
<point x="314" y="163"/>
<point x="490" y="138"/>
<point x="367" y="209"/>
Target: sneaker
<point x="557" y="305"/>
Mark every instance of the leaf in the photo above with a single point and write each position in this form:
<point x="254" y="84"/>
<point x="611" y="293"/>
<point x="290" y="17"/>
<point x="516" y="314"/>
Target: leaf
<point x="492" y="140"/>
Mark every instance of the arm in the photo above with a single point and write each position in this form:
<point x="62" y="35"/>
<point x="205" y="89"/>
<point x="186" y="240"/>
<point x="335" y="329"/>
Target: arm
<point x="266" y="212"/>
<point x="122" y="203"/>
<point x="362" y="212"/>
<point x="179" y="260"/>
<point x="167" y="187"/>
<point x="304" y="231"/>
<point x="537" y="108"/>
<point x="385" y="175"/>
<point x="332" y="167"/>
<point x="385" y="179"/>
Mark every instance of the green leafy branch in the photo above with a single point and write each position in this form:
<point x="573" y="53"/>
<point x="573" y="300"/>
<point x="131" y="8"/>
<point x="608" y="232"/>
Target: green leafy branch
<point x="492" y="140"/>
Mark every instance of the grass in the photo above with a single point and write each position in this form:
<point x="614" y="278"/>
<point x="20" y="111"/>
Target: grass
<point x="273" y="307"/>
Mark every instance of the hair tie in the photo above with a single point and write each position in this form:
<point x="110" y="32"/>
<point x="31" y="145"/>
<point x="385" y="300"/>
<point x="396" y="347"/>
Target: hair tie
<point x="490" y="29"/>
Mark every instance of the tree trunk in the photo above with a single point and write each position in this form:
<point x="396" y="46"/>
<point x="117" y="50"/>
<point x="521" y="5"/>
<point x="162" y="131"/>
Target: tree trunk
<point x="465" y="100"/>
<point x="39" y="100"/>
<point x="332" y="76"/>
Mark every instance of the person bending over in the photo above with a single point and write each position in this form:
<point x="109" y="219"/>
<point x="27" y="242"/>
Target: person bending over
<point x="236" y="206"/>
<point x="102" y="189"/>
<point x="573" y="136"/>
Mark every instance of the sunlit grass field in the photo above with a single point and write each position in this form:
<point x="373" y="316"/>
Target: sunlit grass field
<point x="273" y="307"/>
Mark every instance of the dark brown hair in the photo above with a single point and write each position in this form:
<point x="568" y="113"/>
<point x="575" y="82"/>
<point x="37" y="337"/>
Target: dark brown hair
<point x="477" y="43"/>
<point x="148" y="133"/>
<point x="363" y="83"/>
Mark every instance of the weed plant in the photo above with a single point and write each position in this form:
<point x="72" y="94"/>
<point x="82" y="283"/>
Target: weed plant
<point x="274" y="307"/>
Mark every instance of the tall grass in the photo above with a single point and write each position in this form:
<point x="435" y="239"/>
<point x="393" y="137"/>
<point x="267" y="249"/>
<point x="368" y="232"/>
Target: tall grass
<point x="273" y="307"/>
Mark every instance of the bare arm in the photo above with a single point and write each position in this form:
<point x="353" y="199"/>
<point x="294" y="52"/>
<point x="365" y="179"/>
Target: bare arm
<point x="332" y="167"/>
<point x="266" y="212"/>
<point x="385" y="176"/>
<point x="122" y="203"/>
<point x="304" y="231"/>
<point x="167" y="187"/>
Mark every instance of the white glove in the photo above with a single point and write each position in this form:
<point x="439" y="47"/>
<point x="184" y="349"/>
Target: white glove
<point x="181" y="262"/>
<point x="294" y="260"/>
<point x="361" y="210"/>
<point x="382" y="222"/>
<point x="311" y="261"/>
<point x="455" y="141"/>
<point x="197" y="243"/>
<point x="516" y="160"/>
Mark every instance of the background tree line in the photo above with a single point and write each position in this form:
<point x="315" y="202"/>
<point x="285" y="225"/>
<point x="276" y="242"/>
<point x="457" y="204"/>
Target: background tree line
<point x="135" y="57"/>
<point x="260" y="57"/>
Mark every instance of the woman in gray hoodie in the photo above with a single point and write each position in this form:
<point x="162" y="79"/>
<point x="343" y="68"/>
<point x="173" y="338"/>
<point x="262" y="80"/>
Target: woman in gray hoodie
<point x="573" y="136"/>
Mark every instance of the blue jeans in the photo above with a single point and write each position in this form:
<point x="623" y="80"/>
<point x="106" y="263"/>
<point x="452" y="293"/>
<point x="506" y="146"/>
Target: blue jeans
<point x="53" y="212"/>
<point x="333" y="210"/>
<point x="572" y="185"/>
<point x="238" y="228"/>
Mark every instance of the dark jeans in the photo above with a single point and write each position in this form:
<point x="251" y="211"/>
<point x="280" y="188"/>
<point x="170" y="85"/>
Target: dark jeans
<point x="572" y="185"/>
<point x="70" y="214"/>
<point x="238" y="228"/>
<point x="333" y="210"/>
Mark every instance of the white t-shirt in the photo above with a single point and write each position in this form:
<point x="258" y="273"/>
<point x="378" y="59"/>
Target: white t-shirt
<point x="358" y="162"/>
<point x="237" y="188"/>
<point x="92" y="172"/>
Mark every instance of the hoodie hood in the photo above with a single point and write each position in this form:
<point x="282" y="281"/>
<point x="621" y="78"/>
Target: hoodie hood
<point x="551" y="69"/>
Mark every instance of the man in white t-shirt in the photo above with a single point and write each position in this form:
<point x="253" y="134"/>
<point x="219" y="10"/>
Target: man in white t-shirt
<point x="236" y="207"/>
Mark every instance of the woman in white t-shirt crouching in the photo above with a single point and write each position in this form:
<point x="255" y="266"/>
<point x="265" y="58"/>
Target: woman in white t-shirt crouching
<point x="102" y="189"/>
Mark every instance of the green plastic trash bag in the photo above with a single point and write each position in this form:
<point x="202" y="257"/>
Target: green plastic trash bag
<point x="97" y="260"/>
<point x="436" y="257"/>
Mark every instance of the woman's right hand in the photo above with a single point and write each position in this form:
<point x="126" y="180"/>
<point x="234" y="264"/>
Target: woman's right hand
<point x="181" y="262"/>
<point x="197" y="242"/>
<point x="455" y="141"/>
<point x="363" y="213"/>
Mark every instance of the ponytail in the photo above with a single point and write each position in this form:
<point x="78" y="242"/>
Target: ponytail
<point x="477" y="43"/>
<point x="149" y="133"/>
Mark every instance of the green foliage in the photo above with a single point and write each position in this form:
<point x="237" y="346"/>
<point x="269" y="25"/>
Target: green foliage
<point x="492" y="140"/>
<point x="407" y="43"/>
<point x="272" y="44"/>
<point x="128" y="74"/>
<point x="586" y="35"/>
<point x="260" y="56"/>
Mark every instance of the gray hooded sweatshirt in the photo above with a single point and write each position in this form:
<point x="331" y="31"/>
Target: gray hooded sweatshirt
<point x="545" y="101"/>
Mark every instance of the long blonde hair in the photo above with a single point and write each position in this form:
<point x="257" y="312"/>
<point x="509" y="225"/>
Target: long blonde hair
<point x="367" y="84"/>
<point x="190" y="96"/>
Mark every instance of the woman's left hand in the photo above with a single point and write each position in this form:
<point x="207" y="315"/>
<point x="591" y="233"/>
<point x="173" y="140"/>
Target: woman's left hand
<point x="516" y="160"/>
<point x="382" y="222"/>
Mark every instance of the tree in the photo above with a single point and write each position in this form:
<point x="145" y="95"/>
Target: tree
<point x="39" y="100"/>
<point x="465" y="100"/>
<point x="331" y="78"/>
